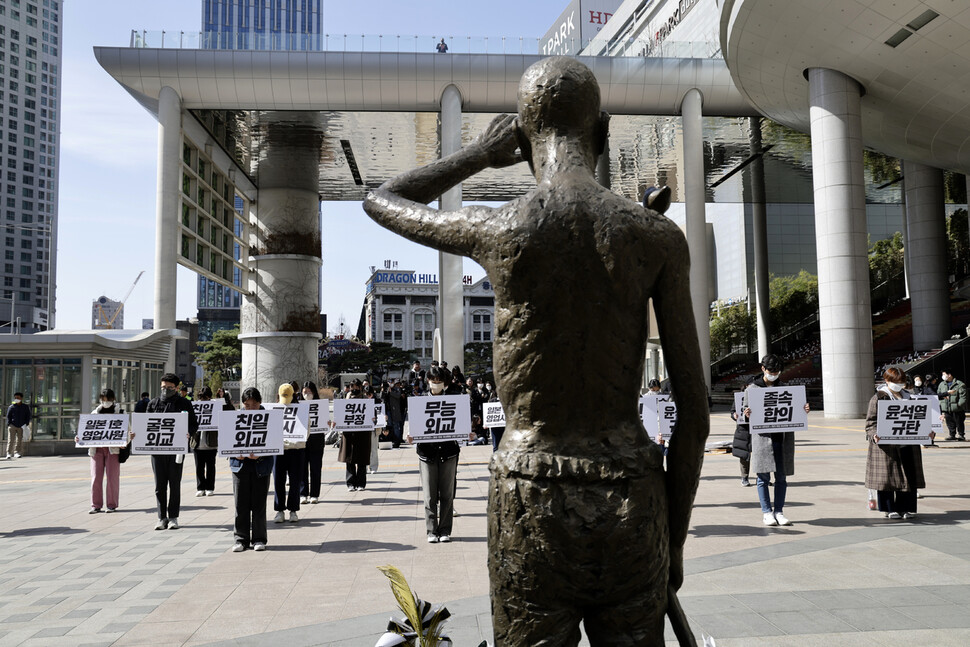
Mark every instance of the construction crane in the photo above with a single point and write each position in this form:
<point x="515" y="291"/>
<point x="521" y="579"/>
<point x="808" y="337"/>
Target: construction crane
<point x="106" y="325"/>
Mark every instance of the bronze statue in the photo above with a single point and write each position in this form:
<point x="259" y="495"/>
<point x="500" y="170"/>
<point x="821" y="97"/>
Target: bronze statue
<point x="584" y="523"/>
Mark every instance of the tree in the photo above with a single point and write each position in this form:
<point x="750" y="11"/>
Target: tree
<point x="957" y="243"/>
<point x="220" y="357"/>
<point x="793" y="299"/>
<point x="478" y="358"/>
<point x="733" y="327"/>
<point x="378" y="360"/>
<point x="885" y="259"/>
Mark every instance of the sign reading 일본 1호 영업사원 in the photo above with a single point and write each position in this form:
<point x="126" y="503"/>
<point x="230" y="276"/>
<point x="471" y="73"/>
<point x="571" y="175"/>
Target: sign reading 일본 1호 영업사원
<point x="295" y="420"/>
<point x="494" y="415"/>
<point x="251" y="432"/>
<point x="353" y="415"/>
<point x="102" y="430"/>
<point x="439" y="417"/>
<point x="205" y="413"/>
<point x="904" y="422"/>
<point x="777" y="408"/>
<point x="160" y="433"/>
<point x="658" y="413"/>
<point x="934" y="403"/>
<point x="318" y="416"/>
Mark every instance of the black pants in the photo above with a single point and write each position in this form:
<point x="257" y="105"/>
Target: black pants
<point x="356" y="475"/>
<point x="956" y="423"/>
<point x="168" y="485"/>
<point x="249" y="491"/>
<point x="312" y="465"/>
<point x="205" y="469"/>
<point x="289" y="463"/>
<point x="895" y="501"/>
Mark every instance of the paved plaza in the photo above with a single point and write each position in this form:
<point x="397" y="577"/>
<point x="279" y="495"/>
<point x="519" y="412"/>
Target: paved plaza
<point x="841" y="575"/>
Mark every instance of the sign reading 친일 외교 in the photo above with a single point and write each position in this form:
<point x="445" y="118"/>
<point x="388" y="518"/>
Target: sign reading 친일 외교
<point x="494" y="415"/>
<point x="295" y="420"/>
<point x="353" y="415"/>
<point x="205" y="414"/>
<point x="904" y="422"/>
<point x="160" y="433"/>
<point x="256" y="432"/>
<point x="102" y="430"/>
<point x="318" y="416"/>
<point x="777" y="408"/>
<point x="440" y="417"/>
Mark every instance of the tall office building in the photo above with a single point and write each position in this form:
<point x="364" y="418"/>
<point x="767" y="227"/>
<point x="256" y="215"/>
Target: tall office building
<point x="263" y="24"/>
<point x="30" y="74"/>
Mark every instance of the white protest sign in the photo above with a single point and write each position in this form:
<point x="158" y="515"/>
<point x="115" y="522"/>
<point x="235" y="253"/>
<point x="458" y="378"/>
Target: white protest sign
<point x="379" y="415"/>
<point x="658" y="412"/>
<point x="353" y="415"/>
<point x="245" y="432"/>
<point x="441" y="417"/>
<point x="318" y="416"/>
<point x="205" y="414"/>
<point x="739" y="405"/>
<point x="102" y="430"/>
<point x="903" y="422"/>
<point x="160" y="433"/>
<point x="295" y="420"/>
<point x="494" y="415"/>
<point x="934" y="403"/>
<point x="777" y="408"/>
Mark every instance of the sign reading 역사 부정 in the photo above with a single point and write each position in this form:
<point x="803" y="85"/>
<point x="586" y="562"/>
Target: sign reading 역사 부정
<point x="318" y="416"/>
<point x="256" y="432"/>
<point x="439" y="417"/>
<point x="494" y="415"/>
<point x="295" y="420"/>
<point x="205" y="414"/>
<point x="934" y="403"/>
<point x="777" y="408"/>
<point x="353" y="415"/>
<point x="658" y="413"/>
<point x="102" y="430"/>
<point x="160" y="433"/>
<point x="904" y="422"/>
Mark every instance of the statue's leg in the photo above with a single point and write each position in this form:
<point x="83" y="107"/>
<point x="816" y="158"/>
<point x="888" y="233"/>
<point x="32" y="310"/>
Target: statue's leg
<point x="638" y="622"/>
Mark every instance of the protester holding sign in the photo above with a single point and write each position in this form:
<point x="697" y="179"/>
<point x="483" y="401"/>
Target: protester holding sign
<point x="290" y="464"/>
<point x="205" y="450"/>
<point x="315" y="442"/>
<point x="105" y="467"/>
<point x="355" y="446"/>
<point x="250" y="486"/>
<point x="771" y="452"/>
<point x="894" y="471"/>
<point x="168" y="467"/>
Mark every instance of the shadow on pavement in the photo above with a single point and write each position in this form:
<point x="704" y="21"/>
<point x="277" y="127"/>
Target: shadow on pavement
<point x="48" y="530"/>
<point x="352" y="546"/>
<point x="725" y="530"/>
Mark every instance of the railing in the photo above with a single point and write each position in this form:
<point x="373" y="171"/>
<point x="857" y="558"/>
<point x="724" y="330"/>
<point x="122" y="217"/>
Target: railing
<point x="414" y="44"/>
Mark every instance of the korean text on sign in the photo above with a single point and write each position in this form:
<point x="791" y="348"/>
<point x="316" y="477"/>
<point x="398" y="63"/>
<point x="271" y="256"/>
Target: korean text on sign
<point x="658" y="413"/>
<point x="205" y="414"/>
<point x="160" y="433"/>
<point x="245" y="432"/>
<point x="295" y="420"/>
<point x="438" y="418"/>
<point x="904" y="422"/>
<point x="777" y="408"/>
<point x="353" y="415"/>
<point x="380" y="416"/>
<point x="934" y="403"/>
<point x="102" y="430"/>
<point x="494" y="415"/>
<point x="318" y="416"/>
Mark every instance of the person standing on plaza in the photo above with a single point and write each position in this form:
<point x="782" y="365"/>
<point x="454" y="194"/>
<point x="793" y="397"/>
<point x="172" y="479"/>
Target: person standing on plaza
<point x="895" y="472"/>
<point x="953" y="405"/>
<point x="205" y="452"/>
<point x="375" y="440"/>
<point x="740" y="445"/>
<point x="142" y="404"/>
<point x="495" y="433"/>
<point x="18" y="417"/>
<point x="395" y="406"/>
<point x="105" y="466"/>
<point x="313" y="465"/>
<point x="250" y="487"/>
<point x="772" y="452"/>
<point x="289" y="464"/>
<point x="355" y="448"/>
<point x="167" y="467"/>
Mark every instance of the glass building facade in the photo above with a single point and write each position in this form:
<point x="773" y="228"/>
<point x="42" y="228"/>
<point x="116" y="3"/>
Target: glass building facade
<point x="262" y="24"/>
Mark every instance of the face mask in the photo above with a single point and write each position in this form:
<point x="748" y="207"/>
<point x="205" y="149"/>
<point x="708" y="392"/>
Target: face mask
<point x="437" y="387"/>
<point x="17" y="401"/>
<point x="945" y="377"/>
<point x="488" y="387"/>
<point x="480" y="385"/>
<point x="895" y="387"/>
<point x="168" y="393"/>
<point x="307" y="395"/>
<point x="771" y="377"/>
<point x="918" y="382"/>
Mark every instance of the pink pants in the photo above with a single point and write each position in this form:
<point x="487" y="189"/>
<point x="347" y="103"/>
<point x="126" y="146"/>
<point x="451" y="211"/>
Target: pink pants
<point x="104" y="462"/>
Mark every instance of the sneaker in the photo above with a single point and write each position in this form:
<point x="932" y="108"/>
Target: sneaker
<point x="209" y="492"/>
<point x="432" y="539"/>
<point x="173" y="524"/>
<point x="9" y="457"/>
<point x="909" y="515"/>
<point x="17" y="454"/>
<point x="238" y="547"/>
<point x="200" y="493"/>
<point x="782" y="519"/>
<point x="948" y="438"/>
<point x="294" y="517"/>
<point x="960" y="439"/>
<point x="745" y="483"/>
<point x="279" y="518"/>
<point x="94" y="510"/>
<point x="304" y="499"/>
<point x="259" y="546"/>
<point x="770" y="520"/>
<point x="445" y="539"/>
<point x="895" y="515"/>
<point x="314" y="499"/>
<point x="110" y="510"/>
<point x="162" y="524"/>
<point x="351" y="488"/>
<point x="362" y="488"/>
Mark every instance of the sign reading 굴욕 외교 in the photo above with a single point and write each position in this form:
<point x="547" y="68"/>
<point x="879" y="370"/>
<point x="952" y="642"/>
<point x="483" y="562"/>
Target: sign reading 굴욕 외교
<point x="318" y="416"/>
<point x="102" y="430"/>
<point x="160" y="433"/>
<point x="777" y="408"/>
<point x="251" y="432"/>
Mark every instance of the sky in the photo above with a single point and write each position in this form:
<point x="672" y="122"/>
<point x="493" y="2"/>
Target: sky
<point x="106" y="221"/>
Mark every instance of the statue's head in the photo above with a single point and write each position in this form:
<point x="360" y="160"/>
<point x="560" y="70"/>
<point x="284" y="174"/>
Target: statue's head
<point x="559" y="96"/>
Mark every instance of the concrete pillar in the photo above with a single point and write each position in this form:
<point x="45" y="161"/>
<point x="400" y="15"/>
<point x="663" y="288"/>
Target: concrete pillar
<point x="167" y="211"/>
<point x="280" y="317"/>
<point x="603" y="166"/>
<point x="451" y="292"/>
<point x="759" y="225"/>
<point x="925" y="220"/>
<point x="695" y="199"/>
<point x="845" y="316"/>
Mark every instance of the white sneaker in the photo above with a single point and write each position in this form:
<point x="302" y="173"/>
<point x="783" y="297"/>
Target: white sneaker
<point x="279" y="518"/>
<point x="445" y="539"/>
<point x="259" y="546"/>
<point x="782" y="519"/>
<point x="238" y="547"/>
<point x="432" y="539"/>
<point x="895" y="515"/>
<point x="173" y="524"/>
<point x="162" y="524"/>
<point x="304" y="499"/>
<point x="200" y="493"/>
<point x="770" y="520"/>
<point x="314" y="499"/>
<point x="9" y="457"/>
<point x="209" y="492"/>
<point x="909" y="515"/>
<point x="16" y="454"/>
<point x="294" y="517"/>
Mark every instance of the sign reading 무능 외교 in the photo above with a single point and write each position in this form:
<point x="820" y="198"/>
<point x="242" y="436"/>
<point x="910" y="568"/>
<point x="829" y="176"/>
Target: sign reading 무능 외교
<point x="904" y="422"/>
<point x="256" y="432"/>
<point x="160" y="433"/>
<point x="318" y="416"/>
<point x="777" y="408"/>
<point x="295" y="420"/>
<point x="658" y="413"/>
<point x="934" y="403"/>
<point x="353" y="415"/>
<point x="102" y="430"/>
<point x="205" y="413"/>
<point x="439" y="417"/>
<point x="494" y="415"/>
